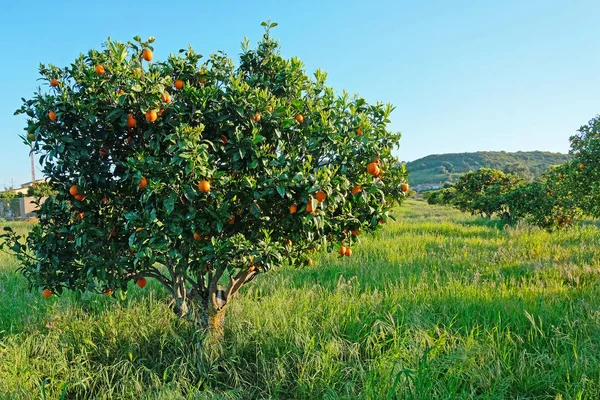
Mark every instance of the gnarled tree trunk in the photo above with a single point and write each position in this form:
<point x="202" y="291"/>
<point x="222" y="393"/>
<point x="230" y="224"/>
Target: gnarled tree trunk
<point x="205" y="306"/>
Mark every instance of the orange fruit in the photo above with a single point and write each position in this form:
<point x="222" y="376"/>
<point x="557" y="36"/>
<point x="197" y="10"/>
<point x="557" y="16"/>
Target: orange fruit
<point x="359" y="132"/>
<point x="256" y="117"/>
<point x="54" y="82"/>
<point x="309" y="207"/>
<point x="46" y="293"/>
<point x="197" y="236"/>
<point x="143" y="183"/>
<point x="373" y="169"/>
<point x="204" y="186"/>
<point x="348" y="252"/>
<point x="79" y="197"/>
<point x="104" y="200"/>
<point x="581" y="166"/>
<point x="80" y="216"/>
<point x="404" y="187"/>
<point x="321" y="196"/>
<point x="355" y="232"/>
<point x="166" y="97"/>
<point x="147" y="55"/>
<point x="356" y="190"/>
<point x="151" y="116"/>
<point x="52" y="115"/>
<point x="178" y="84"/>
<point x="342" y="250"/>
<point x="202" y="79"/>
<point x="293" y="209"/>
<point x="107" y="291"/>
<point x="300" y="118"/>
<point x="120" y="92"/>
<point x="99" y="70"/>
<point x="74" y="190"/>
<point x="224" y="139"/>
<point x="381" y="221"/>
<point x="131" y="122"/>
<point x="141" y="283"/>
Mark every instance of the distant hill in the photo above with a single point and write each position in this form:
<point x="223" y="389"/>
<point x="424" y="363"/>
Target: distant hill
<point x="440" y="168"/>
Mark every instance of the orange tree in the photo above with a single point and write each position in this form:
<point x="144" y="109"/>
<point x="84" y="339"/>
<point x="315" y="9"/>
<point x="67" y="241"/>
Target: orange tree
<point x="547" y="202"/>
<point x="482" y="191"/>
<point x="201" y="175"/>
<point x="584" y="172"/>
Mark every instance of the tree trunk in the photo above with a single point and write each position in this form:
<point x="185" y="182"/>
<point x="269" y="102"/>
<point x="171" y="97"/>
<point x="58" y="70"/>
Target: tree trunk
<point x="204" y="316"/>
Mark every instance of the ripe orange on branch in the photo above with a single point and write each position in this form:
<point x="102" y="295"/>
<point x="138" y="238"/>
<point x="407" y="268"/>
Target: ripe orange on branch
<point x="166" y="97"/>
<point x="204" y="186"/>
<point x="293" y="209"/>
<point x="404" y="187"/>
<point x="300" y="118"/>
<point x="320" y="196"/>
<point x="131" y="122"/>
<point x="99" y="70"/>
<point x="151" y="116"/>
<point x="373" y="169"/>
<point x="54" y="82"/>
<point x="143" y="183"/>
<point x="342" y="250"/>
<point x="74" y="190"/>
<point x="147" y="55"/>
<point x="52" y="115"/>
<point x="356" y="189"/>
<point x="178" y="84"/>
<point x="141" y="282"/>
<point x="47" y="293"/>
<point x="309" y="207"/>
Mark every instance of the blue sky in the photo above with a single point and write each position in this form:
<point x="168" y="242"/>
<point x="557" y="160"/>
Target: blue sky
<point x="464" y="75"/>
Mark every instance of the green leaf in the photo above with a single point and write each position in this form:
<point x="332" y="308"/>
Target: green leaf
<point x="255" y="210"/>
<point x="281" y="191"/>
<point x="169" y="204"/>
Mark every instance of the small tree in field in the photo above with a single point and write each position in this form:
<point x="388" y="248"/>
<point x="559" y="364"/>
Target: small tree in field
<point x="201" y="175"/>
<point x="482" y="191"/>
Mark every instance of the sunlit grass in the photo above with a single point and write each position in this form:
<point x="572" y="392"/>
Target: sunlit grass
<point x="438" y="305"/>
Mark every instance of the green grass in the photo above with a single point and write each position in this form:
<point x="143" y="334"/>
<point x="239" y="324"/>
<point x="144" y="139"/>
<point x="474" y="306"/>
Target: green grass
<point x="438" y="305"/>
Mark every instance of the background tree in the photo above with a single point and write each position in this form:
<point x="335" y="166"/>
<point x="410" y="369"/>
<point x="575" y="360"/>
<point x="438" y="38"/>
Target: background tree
<point x="199" y="175"/>
<point x="583" y="174"/>
<point x="519" y="169"/>
<point x="40" y="189"/>
<point x="482" y="191"/>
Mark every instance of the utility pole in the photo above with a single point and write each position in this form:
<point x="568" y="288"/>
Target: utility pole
<point x="32" y="169"/>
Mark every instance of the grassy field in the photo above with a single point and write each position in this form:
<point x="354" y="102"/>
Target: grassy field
<point x="438" y="305"/>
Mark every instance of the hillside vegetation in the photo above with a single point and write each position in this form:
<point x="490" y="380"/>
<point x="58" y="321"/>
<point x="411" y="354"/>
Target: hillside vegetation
<point x="442" y="168"/>
<point x="438" y="305"/>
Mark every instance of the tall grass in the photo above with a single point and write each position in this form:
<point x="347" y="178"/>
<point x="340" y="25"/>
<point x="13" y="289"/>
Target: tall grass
<point x="438" y="305"/>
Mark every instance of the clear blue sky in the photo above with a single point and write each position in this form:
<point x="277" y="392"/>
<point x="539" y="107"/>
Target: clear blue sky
<point x="465" y="75"/>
